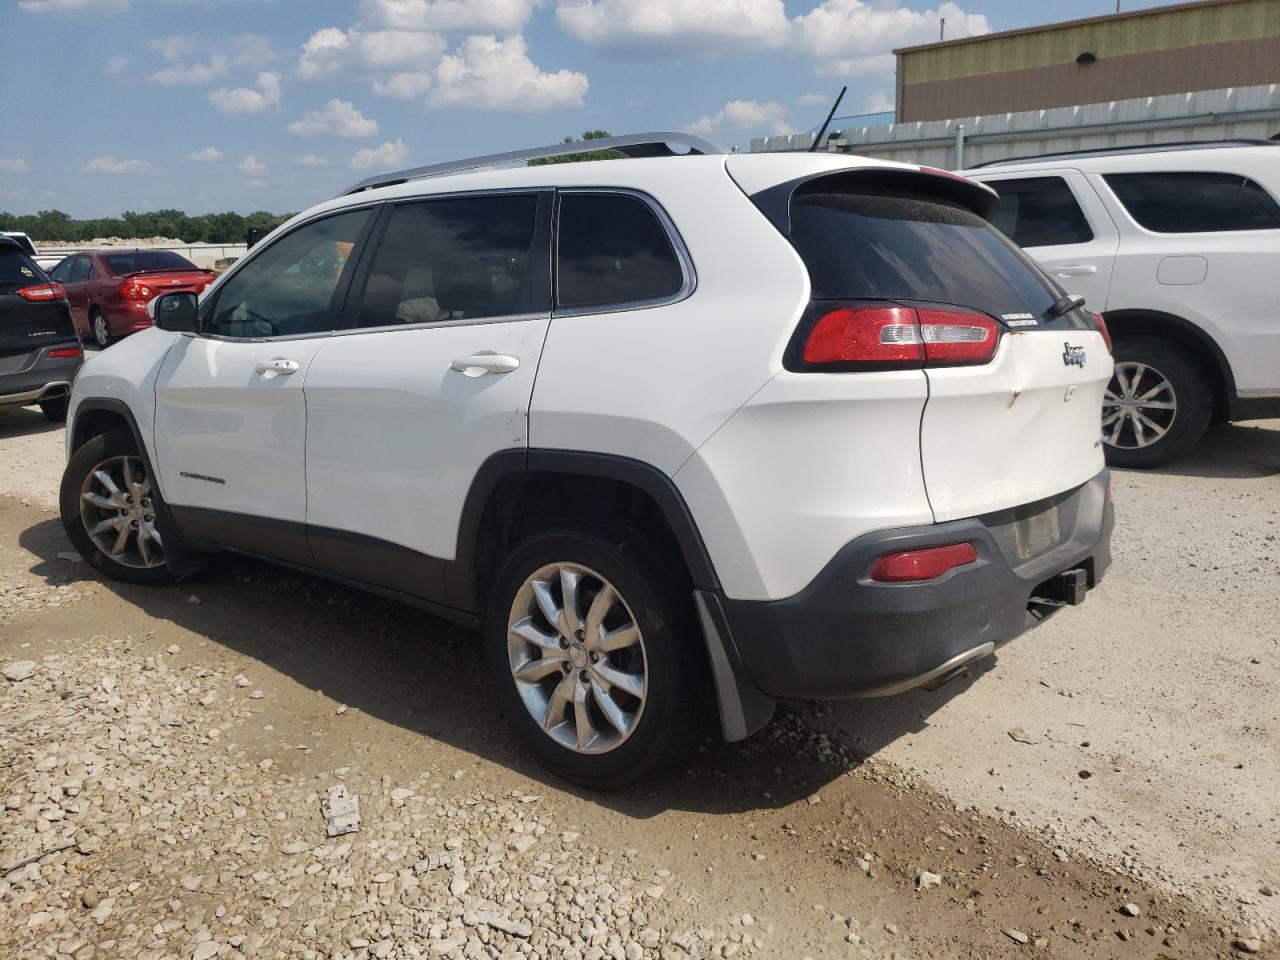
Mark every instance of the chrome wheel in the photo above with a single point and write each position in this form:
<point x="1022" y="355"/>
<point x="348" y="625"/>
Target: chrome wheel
<point x="101" y="332"/>
<point x="119" y="514"/>
<point x="577" y="657"/>
<point x="1139" y="406"/>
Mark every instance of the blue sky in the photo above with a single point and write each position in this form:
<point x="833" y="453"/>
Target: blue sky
<point x="209" y="105"/>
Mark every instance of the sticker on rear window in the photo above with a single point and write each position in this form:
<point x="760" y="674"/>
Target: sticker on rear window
<point x="1019" y="319"/>
<point x="26" y="272"/>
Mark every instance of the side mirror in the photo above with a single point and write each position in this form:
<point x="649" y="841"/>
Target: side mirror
<point x="175" y="312"/>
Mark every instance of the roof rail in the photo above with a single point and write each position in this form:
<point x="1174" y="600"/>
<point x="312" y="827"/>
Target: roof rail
<point x="633" y="145"/>
<point x="1140" y="148"/>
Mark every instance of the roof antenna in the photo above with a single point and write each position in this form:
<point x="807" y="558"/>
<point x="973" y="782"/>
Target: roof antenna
<point x="827" y="122"/>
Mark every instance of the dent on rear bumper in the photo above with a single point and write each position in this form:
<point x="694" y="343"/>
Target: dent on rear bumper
<point x="847" y="636"/>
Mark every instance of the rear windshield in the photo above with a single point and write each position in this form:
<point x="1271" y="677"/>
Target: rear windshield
<point x="17" y="270"/>
<point x="146" y="261"/>
<point x="869" y="244"/>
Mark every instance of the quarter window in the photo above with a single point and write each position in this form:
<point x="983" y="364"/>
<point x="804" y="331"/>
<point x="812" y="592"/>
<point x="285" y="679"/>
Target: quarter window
<point x="460" y="258"/>
<point x="1190" y="202"/>
<point x="288" y="288"/>
<point x="612" y="250"/>
<point x="1040" y="212"/>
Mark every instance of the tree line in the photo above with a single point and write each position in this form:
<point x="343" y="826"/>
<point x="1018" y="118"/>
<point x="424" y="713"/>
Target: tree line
<point x="49" y="225"/>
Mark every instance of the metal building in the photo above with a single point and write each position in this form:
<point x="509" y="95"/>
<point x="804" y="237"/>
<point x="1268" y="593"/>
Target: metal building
<point x="1207" y="45"/>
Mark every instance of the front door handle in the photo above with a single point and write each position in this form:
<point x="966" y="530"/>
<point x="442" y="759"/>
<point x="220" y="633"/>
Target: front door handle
<point x="478" y="364"/>
<point x="1075" y="270"/>
<point x="279" y="366"/>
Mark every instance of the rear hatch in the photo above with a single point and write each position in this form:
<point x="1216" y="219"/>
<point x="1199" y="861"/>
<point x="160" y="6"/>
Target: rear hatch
<point x="29" y="322"/>
<point x="1000" y="429"/>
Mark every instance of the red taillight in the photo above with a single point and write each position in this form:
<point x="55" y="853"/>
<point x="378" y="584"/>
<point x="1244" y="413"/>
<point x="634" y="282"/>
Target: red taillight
<point x="895" y="335"/>
<point x="64" y="353"/>
<point x="1102" y="329"/>
<point x="44" y="292"/>
<point x="924" y="564"/>
<point x="133" y="290"/>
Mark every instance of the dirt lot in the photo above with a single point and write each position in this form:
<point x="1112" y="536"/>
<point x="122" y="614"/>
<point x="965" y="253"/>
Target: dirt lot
<point x="163" y="766"/>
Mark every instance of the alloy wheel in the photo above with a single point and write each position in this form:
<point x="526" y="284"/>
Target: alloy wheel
<point x="577" y="657"/>
<point x="101" y="332"/>
<point x="1139" y="406"/>
<point x="118" y="512"/>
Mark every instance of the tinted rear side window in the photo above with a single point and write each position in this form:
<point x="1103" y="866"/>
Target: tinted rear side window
<point x="612" y="250"/>
<point x="870" y="244"/>
<point x="1040" y="212"/>
<point x="17" y="270"/>
<point x="1195" y="202"/>
<point x="151" y="261"/>
<point x="464" y="258"/>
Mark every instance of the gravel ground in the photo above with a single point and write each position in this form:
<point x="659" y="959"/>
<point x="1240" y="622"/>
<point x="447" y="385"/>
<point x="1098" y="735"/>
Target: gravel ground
<point x="164" y="756"/>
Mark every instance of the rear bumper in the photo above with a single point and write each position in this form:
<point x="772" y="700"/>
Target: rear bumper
<point x="845" y="635"/>
<point x="39" y="377"/>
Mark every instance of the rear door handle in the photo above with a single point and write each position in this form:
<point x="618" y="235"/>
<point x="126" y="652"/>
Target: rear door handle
<point x="278" y="366"/>
<point x="479" y="364"/>
<point x="1075" y="270"/>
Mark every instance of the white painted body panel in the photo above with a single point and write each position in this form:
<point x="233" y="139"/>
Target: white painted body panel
<point x="217" y="416"/>
<point x="395" y="436"/>
<point x="1023" y="427"/>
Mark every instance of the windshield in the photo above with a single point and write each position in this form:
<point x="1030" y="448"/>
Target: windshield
<point x="864" y="243"/>
<point x="146" y="261"/>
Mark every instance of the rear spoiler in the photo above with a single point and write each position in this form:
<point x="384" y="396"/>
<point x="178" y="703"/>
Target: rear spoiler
<point x="775" y="202"/>
<point x="152" y="273"/>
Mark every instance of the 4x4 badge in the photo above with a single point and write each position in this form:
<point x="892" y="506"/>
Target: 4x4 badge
<point x="1072" y="356"/>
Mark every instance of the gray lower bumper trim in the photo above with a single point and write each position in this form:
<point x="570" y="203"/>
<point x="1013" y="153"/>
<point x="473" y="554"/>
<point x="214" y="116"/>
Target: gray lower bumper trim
<point x="958" y="662"/>
<point x="58" y="388"/>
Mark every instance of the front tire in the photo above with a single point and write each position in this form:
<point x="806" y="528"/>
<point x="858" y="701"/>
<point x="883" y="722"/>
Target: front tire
<point x="1157" y="406"/>
<point x="593" y="647"/>
<point x="108" y="505"/>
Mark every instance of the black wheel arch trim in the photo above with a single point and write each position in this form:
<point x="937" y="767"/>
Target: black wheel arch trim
<point x="1222" y="367"/>
<point x="180" y="557"/>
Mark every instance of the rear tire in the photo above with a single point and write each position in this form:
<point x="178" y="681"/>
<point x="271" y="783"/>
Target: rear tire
<point x="55" y="410"/>
<point x="87" y="503"/>
<point x="101" y="329"/>
<point x="1177" y="409"/>
<point x="656" y="712"/>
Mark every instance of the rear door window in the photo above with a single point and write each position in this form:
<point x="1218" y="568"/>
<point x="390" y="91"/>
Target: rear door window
<point x="459" y="258"/>
<point x="613" y="251"/>
<point x="874" y="243"/>
<point x="1040" y="212"/>
<point x="1195" y="202"/>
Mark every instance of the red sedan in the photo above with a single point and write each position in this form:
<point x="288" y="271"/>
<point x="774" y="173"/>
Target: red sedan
<point x="109" y="291"/>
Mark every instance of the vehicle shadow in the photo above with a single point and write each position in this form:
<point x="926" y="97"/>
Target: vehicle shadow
<point x="427" y="676"/>
<point x="1231" y="451"/>
<point x="24" y="421"/>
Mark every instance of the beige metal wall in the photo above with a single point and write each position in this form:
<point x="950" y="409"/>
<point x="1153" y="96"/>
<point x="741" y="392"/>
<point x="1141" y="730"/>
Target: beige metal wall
<point x="1201" y="46"/>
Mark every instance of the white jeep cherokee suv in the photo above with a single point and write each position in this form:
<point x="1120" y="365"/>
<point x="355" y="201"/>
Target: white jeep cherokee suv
<point x="1177" y="247"/>
<point x="678" y="433"/>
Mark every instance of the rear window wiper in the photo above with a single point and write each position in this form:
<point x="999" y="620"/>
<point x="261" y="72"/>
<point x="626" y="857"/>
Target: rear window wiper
<point x="1062" y="305"/>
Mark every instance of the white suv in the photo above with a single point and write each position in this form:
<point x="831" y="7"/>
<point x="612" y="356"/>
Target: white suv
<point x="1177" y="247"/>
<point x="677" y="432"/>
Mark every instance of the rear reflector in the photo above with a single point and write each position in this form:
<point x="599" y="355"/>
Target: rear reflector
<point x="1102" y="329"/>
<point x="924" y="564"/>
<point x="895" y="335"/>
<point x="43" y="293"/>
<point x="65" y="353"/>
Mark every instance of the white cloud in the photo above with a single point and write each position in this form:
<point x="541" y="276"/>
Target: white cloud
<point x="390" y="154"/>
<point x="337" y="118"/>
<point x="491" y="74"/>
<point x="854" y="37"/>
<point x="74" y="6"/>
<point x="244" y="50"/>
<point x="207" y="155"/>
<point x="332" y="51"/>
<point x="744" y="115"/>
<point x="246" y="100"/>
<point x="256" y="183"/>
<point x="403" y="86"/>
<point x="192" y="73"/>
<point x="810" y="99"/>
<point x="175" y="46"/>
<point x="110" y="164"/>
<point x="878" y="102"/>
<point x="116" y="65"/>
<point x="251" y="166"/>
<point x="667" y="26"/>
<point x="311" y="160"/>
<point x="17" y="165"/>
<point x="473" y="16"/>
